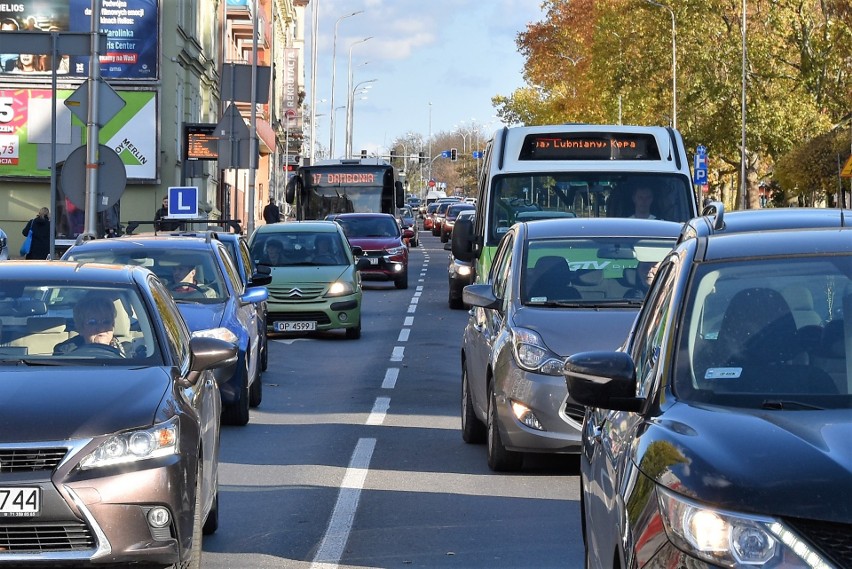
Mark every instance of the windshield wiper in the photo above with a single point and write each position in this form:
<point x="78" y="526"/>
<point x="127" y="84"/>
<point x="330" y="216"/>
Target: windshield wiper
<point x="32" y="363"/>
<point x="560" y="304"/>
<point x="781" y="404"/>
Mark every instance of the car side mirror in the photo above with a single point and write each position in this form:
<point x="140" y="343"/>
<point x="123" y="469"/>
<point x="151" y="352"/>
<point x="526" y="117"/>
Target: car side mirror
<point x="481" y="295"/>
<point x="463" y="240"/>
<point x="357" y="251"/>
<point x="260" y="278"/>
<point x="606" y="380"/>
<point x="407" y="233"/>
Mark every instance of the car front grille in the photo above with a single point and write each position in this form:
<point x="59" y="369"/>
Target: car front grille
<point x="30" y="459"/>
<point x="833" y="539"/>
<point x="318" y="317"/>
<point x="295" y="293"/>
<point x="41" y="537"/>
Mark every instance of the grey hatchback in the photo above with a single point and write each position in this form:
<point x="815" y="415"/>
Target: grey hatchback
<point x="556" y="287"/>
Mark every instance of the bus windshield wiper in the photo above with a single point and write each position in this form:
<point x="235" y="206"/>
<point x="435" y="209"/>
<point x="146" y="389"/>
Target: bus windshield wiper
<point x="781" y="404"/>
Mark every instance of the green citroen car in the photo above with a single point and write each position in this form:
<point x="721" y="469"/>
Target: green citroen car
<point x="315" y="284"/>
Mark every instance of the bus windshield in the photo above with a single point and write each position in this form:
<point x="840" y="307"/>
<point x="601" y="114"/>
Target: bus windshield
<point x="343" y="187"/>
<point x="541" y="195"/>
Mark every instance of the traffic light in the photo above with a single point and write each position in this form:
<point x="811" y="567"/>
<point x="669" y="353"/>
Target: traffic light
<point x="289" y="167"/>
<point x="422" y="158"/>
<point x="363" y="153"/>
<point x="454" y="154"/>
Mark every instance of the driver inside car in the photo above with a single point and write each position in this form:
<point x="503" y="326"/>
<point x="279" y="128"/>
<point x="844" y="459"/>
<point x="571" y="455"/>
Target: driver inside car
<point x="94" y="318"/>
<point x="185" y="281"/>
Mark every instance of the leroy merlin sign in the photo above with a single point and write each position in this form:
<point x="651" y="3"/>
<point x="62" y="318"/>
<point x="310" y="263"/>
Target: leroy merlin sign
<point x="25" y="133"/>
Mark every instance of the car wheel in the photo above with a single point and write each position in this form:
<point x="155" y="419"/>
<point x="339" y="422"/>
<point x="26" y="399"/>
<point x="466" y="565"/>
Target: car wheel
<point x="402" y="282"/>
<point x="499" y="459"/>
<point x="444" y="236"/>
<point x="237" y="413"/>
<point x="354" y="333"/>
<point x="473" y="431"/>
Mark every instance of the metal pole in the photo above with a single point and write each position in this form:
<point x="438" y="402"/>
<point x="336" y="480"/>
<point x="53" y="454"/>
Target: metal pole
<point x="429" y="171"/>
<point x="314" y="33"/>
<point x="333" y="75"/>
<point x="93" y="130"/>
<point x="254" y="155"/>
<point x="53" y="58"/>
<point x="674" y="63"/>
<point x="348" y="152"/>
<point x="743" y="185"/>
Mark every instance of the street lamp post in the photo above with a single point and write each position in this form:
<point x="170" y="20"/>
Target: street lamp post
<point x="348" y="152"/>
<point x="350" y="127"/>
<point x="314" y="32"/>
<point x="674" y="60"/>
<point x="333" y="75"/>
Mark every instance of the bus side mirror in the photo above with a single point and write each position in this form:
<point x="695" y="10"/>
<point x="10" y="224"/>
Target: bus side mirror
<point x="293" y="186"/>
<point x="463" y="241"/>
<point x="400" y="194"/>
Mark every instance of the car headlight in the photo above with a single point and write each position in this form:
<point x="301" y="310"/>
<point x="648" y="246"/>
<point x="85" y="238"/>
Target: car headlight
<point x="340" y="288"/>
<point x="220" y="333"/>
<point x="135" y="445"/>
<point x="731" y="539"/>
<point x="396" y="250"/>
<point x="463" y="270"/>
<point x="533" y="355"/>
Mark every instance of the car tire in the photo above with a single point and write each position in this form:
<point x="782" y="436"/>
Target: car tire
<point x="444" y="236"/>
<point x="455" y="299"/>
<point x="256" y="392"/>
<point x="355" y="332"/>
<point x="499" y="459"/>
<point x="402" y="282"/>
<point x="194" y="559"/>
<point x="435" y="232"/>
<point x="473" y="431"/>
<point x="237" y="413"/>
<point x="211" y="524"/>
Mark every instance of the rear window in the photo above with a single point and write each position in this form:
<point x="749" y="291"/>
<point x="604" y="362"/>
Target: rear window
<point x="589" y="146"/>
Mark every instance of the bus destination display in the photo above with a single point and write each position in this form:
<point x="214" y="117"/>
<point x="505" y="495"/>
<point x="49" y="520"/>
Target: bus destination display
<point x="346" y="178"/>
<point x="589" y="146"/>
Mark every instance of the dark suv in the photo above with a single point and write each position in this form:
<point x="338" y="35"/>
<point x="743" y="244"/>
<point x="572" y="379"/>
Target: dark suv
<point x="721" y="428"/>
<point x="381" y="240"/>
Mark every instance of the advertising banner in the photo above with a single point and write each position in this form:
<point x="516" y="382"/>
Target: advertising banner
<point x="131" y="26"/>
<point x="290" y="104"/>
<point x="25" y="133"/>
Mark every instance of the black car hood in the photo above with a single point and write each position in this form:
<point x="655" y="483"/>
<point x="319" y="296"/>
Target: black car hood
<point x="59" y="403"/>
<point x="568" y="331"/>
<point x="782" y="463"/>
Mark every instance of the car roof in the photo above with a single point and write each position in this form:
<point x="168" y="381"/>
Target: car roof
<point x="789" y="243"/>
<point x="70" y="271"/>
<point x="313" y="226"/>
<point x="601" y="226"/>
<point x="362" y="215"/>
<point x="714" y="220"/>
<point x="165" y="241"/>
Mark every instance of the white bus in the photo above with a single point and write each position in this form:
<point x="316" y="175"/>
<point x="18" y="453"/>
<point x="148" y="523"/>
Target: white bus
<point x="575" y="170"/>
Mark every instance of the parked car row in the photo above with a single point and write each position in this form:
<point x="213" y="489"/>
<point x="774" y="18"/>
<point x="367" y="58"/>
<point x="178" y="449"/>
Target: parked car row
<point x="700" y="371"/>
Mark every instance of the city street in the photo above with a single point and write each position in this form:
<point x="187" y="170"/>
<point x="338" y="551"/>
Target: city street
<point x="355" y="457"/>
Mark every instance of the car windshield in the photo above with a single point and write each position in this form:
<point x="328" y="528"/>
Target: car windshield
<point x="190" y="275"/>
<point x="299" y="248"/>
<point x="768" y="333"/>
<point x="369" y="226"/>
<point x="74" y="324"/>
<point x="590" y="271"/>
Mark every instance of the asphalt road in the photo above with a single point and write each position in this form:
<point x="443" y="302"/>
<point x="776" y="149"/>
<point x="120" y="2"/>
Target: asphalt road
<point x="355" y="457"/>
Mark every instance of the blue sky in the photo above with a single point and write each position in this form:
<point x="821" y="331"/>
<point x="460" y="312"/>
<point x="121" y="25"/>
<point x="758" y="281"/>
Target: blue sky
<point x="454" y="54"/>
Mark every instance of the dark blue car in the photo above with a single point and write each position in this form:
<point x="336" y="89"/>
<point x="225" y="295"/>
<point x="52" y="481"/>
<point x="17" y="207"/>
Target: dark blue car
<point x="211" y="295"/>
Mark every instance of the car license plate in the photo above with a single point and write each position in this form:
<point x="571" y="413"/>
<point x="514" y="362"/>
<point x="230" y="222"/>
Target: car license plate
<point x="374" y="260"/>
<point x="20" y="502"/>
<point x="301" y="326"/>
